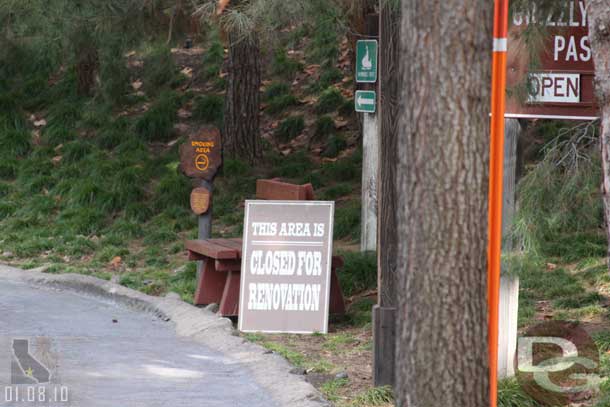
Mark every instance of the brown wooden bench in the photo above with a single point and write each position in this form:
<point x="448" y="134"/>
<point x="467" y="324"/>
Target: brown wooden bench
<point x="220" y="276"/>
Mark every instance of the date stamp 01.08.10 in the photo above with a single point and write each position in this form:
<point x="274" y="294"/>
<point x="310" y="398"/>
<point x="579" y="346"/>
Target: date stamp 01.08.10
<point x="28" y="374"/>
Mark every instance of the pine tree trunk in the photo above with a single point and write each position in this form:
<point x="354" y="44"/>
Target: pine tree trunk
<point x="87" y="64"/>
<point x="599" y="33"/>
<point x="242" y="102"/>
<point x="442" y="185"/>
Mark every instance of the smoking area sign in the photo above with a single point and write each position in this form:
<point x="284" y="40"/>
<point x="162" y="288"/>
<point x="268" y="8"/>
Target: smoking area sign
<point x="201" y="154"/>
<point x="286" y="266"/>
<point x="561" y="84"/>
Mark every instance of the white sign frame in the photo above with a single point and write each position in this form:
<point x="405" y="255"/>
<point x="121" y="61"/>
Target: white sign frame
<point x="245" y="259"/>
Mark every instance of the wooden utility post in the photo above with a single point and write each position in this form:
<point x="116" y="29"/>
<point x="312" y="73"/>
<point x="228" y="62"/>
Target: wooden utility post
<point x="384" y="313"/>
<point x="370" y="146"/>
<point x="509" y="284"/>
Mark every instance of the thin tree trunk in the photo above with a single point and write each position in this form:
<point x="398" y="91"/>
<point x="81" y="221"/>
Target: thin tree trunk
<point x="389" y="86"/>
<point x="442" y="184"/>
<point x="599" y="33"/>
<point x="242" y="102"/>
<point x="87" y="65"/>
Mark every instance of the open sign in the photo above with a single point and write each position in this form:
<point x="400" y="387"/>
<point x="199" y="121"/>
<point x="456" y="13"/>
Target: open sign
<point x="554" y="87"/>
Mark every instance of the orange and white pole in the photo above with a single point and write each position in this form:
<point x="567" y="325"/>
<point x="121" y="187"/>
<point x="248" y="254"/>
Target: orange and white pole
<point x="496" y="179"/>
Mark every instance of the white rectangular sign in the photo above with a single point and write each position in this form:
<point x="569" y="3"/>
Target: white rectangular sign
<point x="286" y="266"/>
<point x="554" y="87"/>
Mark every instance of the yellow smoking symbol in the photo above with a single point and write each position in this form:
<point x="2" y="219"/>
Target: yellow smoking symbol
<point x="202" y="162"/>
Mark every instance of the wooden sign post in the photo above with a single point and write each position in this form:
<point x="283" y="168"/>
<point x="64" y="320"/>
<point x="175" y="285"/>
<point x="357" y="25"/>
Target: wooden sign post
<point x="558" y="86"/>
<point x="200" y="158"/>
<point x="366" y="103"/>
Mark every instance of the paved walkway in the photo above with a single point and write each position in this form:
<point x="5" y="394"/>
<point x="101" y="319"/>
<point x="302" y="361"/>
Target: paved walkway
<point x="100" y="354"/>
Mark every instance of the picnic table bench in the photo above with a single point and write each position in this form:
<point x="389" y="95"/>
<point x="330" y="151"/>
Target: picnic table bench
<point x="219" y="280"/>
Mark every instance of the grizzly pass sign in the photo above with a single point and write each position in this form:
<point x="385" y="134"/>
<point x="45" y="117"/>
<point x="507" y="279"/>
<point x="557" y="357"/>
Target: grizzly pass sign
<point x="286" y="266"/>
<point x="561" y="84"/>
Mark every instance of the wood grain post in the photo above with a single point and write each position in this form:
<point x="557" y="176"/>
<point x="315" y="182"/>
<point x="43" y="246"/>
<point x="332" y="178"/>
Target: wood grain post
<point x="205" y="224"/>
<point x="370" y="160"/>
<point x="509" y="284"/>
<point x="370" y="163"/>
<point x="385" y="314"/>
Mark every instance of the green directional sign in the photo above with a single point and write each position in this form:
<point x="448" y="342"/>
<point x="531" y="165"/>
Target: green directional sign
<point x="366" y="101"/>
<point x="366" y="61"/>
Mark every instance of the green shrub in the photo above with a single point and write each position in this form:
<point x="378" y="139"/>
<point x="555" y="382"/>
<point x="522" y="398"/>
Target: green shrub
<point x="8" y="167"/>
<point x="107" y="253"/>
<point x="209" y="109"/>
<point x="325" y="39"/>
<point x="347" y="221"/>
<point x="235" y="168"/>
<point x="114" y="74"/>
<point x="330" y="76"/>
<point x="127" y="229"/>
<point x="87" y="192"/>
<point x="138" y="212"/>
<point x="157" y="123"/>
<point x="78" y="246"/>
<point x="294" y="167"/>
<point x="329" y="101"/>
<point x="185" y="282"/>
<point x="276" y="89"/>
<point x="97" y="115"/>
<point x="7" y="209"/>
<point x="511" y="394"/>
<point x="285" y="66"/>
<point x="75" y="151"/>
<point x="347" y="109"/>
<point x="5" y="189"/>
<point x="280" y="103"/>
<point x="57" y="134"/>
<point x="347" y="169"/>
<point x="335" y="144"/>
<point x="579" y="300"/>
<point x="160" y="235"/>
<point x="110" y="138"/>
<point x="159" y="70"/>
<point x="15" y="142"/>
<point x="126" y="187"/>
<point x="173" y="190"/>
<point x="560" y="207"/>
<point x="325" y="126"/>
<point x="336" y="191"/>
<point x="64" y="114"/>
<point x="359" y="272"/>
<point x="83" y="221"/>
<point x="213" y="60"/>
<point x="290" y="128"/>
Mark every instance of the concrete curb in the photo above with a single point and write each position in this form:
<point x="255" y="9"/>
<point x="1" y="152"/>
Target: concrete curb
<point x="271" y="371"/>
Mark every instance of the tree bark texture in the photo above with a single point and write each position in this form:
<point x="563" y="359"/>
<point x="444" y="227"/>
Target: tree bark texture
<point x="87" y="65"/>
<point x="242" y="102"/>
<point x="442" y="186"/>
<point x="389" y="86"/>
<point x="599" y="33"/>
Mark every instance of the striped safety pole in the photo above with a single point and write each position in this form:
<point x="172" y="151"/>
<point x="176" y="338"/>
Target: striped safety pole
<point x="494" y="251"/>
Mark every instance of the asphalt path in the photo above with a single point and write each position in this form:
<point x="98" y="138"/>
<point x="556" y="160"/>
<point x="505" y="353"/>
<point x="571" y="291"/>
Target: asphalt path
<point x="100" y="354"/>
